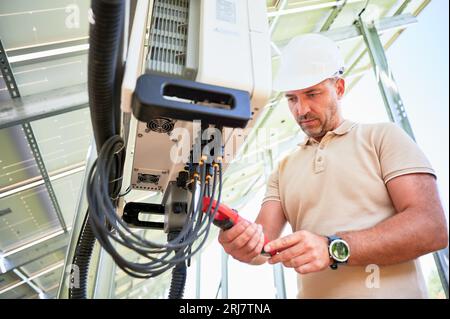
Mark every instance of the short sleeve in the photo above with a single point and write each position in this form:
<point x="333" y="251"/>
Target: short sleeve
<point x="272" y="190"/>
<point x="400" y="155"/>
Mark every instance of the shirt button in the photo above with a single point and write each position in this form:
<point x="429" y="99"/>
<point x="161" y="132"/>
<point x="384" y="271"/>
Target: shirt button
<point x="319" y="159"/>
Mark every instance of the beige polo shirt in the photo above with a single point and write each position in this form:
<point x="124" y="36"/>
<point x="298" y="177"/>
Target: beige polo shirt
<point x="338" y="185"/>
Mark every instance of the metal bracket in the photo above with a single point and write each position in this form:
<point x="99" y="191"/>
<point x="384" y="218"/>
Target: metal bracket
<point x="176" y="205"/>
<point x="7" y="73"/>
<point x="333" y="15"/>
<point x="43" y="170"/>
<point x="388" y="87"/>
<point x="14" y="92"/>
<point x="132" y="210"/>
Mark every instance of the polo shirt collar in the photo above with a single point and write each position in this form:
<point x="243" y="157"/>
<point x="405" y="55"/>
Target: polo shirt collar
<point x="345" y="127"/>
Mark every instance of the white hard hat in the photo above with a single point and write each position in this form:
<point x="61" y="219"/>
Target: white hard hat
<point x="307" y="60"/>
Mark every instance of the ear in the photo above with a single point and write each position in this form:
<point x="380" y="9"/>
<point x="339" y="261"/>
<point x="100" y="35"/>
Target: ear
<point x="340" y="88"/>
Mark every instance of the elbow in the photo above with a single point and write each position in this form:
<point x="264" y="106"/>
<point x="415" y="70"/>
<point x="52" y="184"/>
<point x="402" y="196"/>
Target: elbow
<point x="435" y="231"/>
<point x="442" y="241"/>
<point x="440" y="238"/>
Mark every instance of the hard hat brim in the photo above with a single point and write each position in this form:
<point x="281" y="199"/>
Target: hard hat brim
<point x="298" y="82"/>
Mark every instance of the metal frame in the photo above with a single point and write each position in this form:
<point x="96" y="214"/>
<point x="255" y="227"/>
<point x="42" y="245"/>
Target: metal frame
<point x="396" y="111"/>
<point x="278" y="271"/>
<point x="441" y="260"/>
<point x="358" y="74"/>
<point x="333" y="15"/>
<point x="48" y="52"/>
<point x="310" y="8"/>
<point x="198" y="272"/>
<point x="43" y="105"/>
<point x="13" y="90"/>
<point x="30" y="283"/>
<point x="8" y="76"/>
<point x="283" y="4"/>
<point x="43" y="170"/>
<point x="19" y="258"/>
<point x="224" y="278"/>
<point x="353" y="32"/>
<point x="7" y="73"/>
<point x="28" y="280"/>
<point x="386" y="82"/>
<point x="37" y="181"/>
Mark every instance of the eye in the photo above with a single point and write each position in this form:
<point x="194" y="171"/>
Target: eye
<point x="292" y="99"/>
<point x="312" y="94"/>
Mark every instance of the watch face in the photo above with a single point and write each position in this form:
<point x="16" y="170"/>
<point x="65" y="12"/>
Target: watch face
<point x="339" y="250"/>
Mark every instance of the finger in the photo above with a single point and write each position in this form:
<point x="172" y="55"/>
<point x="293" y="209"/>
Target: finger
<point x="306" y="268"/>
<point x="259" y="247"/>
<point x="244" y="237"/>
<point x="288" y="254"/>
<point x="282" y="243"/>
<point x="254" y="241"/>
<point x="299" y="261"/>
<point x="231" y="234"/>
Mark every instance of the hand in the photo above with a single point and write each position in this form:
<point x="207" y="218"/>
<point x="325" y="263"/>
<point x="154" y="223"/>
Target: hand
<point x="304" y="251"/>
<point x="244" y="241"/>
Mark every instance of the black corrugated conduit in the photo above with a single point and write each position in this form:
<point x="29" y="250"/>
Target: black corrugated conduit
<point x="105" y="70"/>
<point x="179" y="274"/>
<point x="105" y="37"/>
<point x="82" y="257"/>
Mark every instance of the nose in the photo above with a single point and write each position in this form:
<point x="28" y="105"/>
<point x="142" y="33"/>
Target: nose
<point x="302" y="107"/>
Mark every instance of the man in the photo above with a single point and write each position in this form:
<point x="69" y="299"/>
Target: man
<point x="362" y="200"/>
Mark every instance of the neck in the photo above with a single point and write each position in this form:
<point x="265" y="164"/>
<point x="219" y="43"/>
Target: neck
<point x="339" y="120"/>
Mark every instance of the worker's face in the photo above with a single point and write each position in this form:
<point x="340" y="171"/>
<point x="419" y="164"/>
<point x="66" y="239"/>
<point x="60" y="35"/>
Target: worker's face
<point x="316" y="109"/>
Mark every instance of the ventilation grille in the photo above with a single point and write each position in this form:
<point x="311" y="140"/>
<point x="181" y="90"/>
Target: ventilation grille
<point x="161" y="125"/>
<point x="168" y="36"/>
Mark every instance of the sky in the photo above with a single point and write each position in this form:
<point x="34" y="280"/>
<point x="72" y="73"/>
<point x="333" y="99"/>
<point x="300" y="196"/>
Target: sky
<point x="419" y="62"/>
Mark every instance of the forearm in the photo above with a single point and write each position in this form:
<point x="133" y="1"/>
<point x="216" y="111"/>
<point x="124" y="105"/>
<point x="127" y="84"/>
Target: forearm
<point x="405" y="236"/>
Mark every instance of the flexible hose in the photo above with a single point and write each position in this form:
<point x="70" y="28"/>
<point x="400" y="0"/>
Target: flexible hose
<point x="104" y="72"/>
<point x="179" y="273"/>
<point x="81" y="259"/>
<point x="105" y="38"/>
